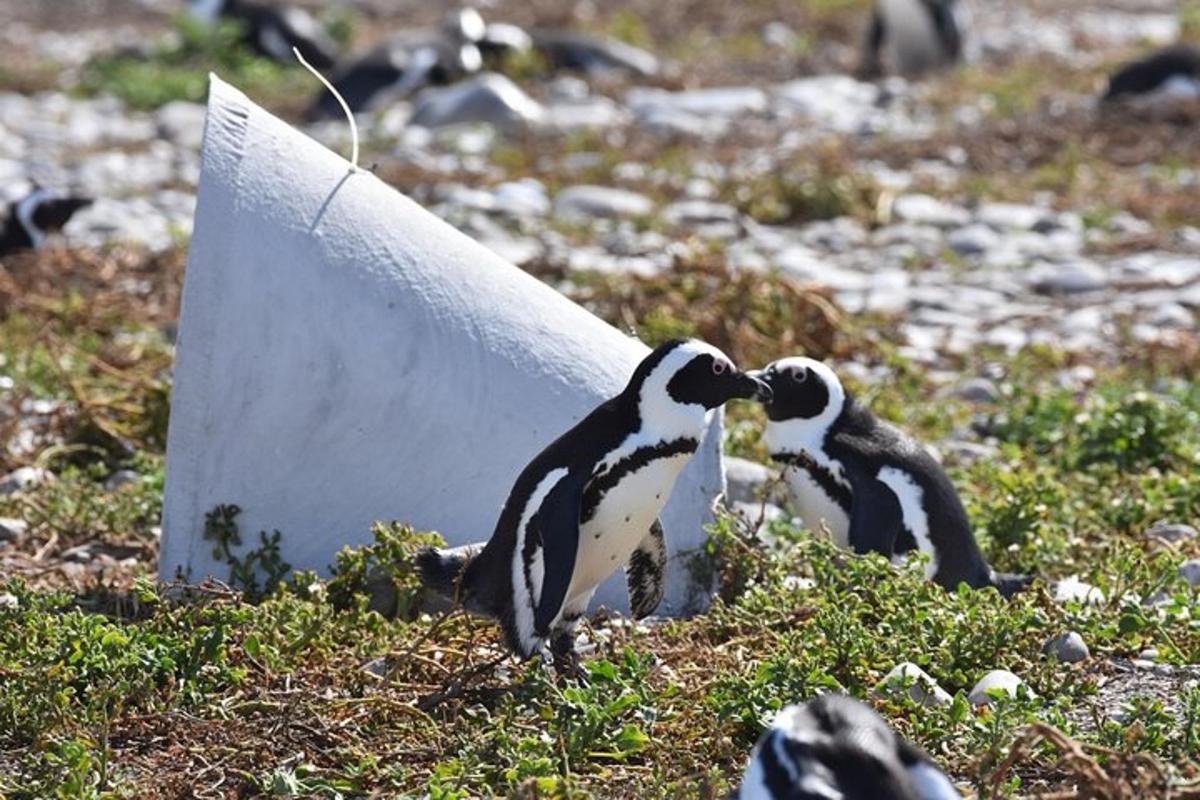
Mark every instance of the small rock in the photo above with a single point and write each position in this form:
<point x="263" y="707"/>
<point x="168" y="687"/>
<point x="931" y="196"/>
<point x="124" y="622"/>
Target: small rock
<point x="523" y="198"/>
<point x="924" y="690"/>
<point x="977" y="390"/>
<point x="489" y="98"/>
<point x="699" y="212"/>
<point x="973" y="240"/>
<point x="1149" y="654"/>
<point x="1005" y="217"/>
<point x="996" y="679"/>
<point x="922" y="209"/>
<point x="12" y="529"/>
<point x="1068" y="278"/>
<point x="1068" y="648"/>
<point x="1171" y="532"/>
<point x="377" y="667"/>
<point x="601" y="201"/>
<point x="1190" y="571"/>
<point x="181" y="122"/>
<point x="744" y="480"/>
<point x="23" y="479"/>
<point x="9" y="601"/>
<point x="122" y="477"/>
<point x="731" y="101"/>
<point x="1073" y="590"/>
<point x="778" y="34"/>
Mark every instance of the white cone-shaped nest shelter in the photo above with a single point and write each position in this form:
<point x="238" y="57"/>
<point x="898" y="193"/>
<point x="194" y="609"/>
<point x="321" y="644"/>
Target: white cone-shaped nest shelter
<point x="344" y="356"/>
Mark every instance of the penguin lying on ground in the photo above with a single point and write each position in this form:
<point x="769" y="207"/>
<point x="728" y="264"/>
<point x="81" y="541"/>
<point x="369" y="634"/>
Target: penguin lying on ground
<point x="835" y="747"/>
<point x="589" y="503"/>
<point x="407" y="63"/>
<point x="272" y="31"/>
<point x="1170" y="74"/>
<point x="874" y="488"/>
<point x="910" y="37"/>
<point x="33" y="217"/>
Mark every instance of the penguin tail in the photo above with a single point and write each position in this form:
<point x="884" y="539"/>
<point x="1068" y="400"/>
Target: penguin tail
<point x="443" y="571"/>
<point x="1009" y="583"/>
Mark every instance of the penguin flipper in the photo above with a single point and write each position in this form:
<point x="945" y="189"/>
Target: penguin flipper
<point x="558" y="522"/>
<point x="876" y="519"/>
<point x="645" y="572"/>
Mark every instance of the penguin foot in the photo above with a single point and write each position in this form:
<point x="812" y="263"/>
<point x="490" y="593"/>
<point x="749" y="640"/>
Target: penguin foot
<point x="566" y="660"/>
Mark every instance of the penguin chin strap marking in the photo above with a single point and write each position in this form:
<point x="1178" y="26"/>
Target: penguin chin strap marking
<point x="26" y="208"/>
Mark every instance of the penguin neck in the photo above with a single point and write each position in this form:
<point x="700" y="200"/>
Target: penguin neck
<point x="25" y="210"/>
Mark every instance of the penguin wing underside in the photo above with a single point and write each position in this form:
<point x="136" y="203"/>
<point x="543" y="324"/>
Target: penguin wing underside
<point x="644" y="573"/>
<point x="558" y="521"/>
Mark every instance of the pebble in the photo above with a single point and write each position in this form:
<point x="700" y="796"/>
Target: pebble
<point x="922" y="209"/>
<point x="1171" y="532"/>
<point x="1190" y="572"/>
<point x="973" y="240"/>
<point x="924" y="690"/>
<point x="733" y="101"/>
<point x="12" y="529"/>
<point x="23" y="479"/>
<point x="1068" y="647"/>
<point x="377" y="667"/>
<point x="1073" y="590"/>
<point x="1004" y="217"/>
<point x="9" y="601"/>
<point x="996" y="679"/>
<point x="601" y="201"/>
<point x="122" y="477"/>
<point x="1070" y="278"/>
<point x="977" y="390"/>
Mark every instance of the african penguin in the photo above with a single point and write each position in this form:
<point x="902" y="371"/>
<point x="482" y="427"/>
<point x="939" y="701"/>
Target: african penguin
<point x="272" y="31"/>
<point x="872" y="486"/>
<point x="405" y="64"/>
<point x="589" y="503"/>
<point x="1169" y="74"/>
<point x="836" y="748"/>
<point x="34" y="216"/>
<point x="911" y="37"/>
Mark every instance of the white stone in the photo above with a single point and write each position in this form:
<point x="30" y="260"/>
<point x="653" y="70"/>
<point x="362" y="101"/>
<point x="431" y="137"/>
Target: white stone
<point x="996" y="679"/>
<point x="9" y="602"/>
<point x="731" y="101"/>
<point x="12" y="529"/>
<point x="1074" y="590"/>
<point x="601" y="201"/>
<point x="490" y="98"/>
<point x="1068" y="648"/>
<point x="923" y="691"/>
<point x="923" y="209"/>
<point x="344" y="357"/>
<point x="744" y="480"/>
<point x="1190" y="571"/>
<point x="23" y="479"/>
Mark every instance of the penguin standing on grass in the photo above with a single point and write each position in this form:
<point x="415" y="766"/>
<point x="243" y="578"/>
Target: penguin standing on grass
<point x="272" y="31"/>
<point x="872" y="486"/>
<point x="589" y="503"/>
<point x="912" y="37"/>
<point x="36" y="215"/>
<point x="837" y="747"/>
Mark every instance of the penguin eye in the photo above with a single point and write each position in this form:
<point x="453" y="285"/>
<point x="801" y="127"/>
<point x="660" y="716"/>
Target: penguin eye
<point x="719" y="366"/>
<point x="800" y="375"/>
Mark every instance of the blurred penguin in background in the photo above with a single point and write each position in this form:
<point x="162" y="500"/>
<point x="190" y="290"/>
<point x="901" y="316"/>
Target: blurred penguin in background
<point x="1167" y="76"/>
<point x="915" y="37"/>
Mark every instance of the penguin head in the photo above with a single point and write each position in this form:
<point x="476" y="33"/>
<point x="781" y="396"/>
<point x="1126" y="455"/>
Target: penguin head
<point x="685" y="379"/>
<point x="42" y="211"/>
<point x="835" y="746"/>
<point x="803" y="389"/>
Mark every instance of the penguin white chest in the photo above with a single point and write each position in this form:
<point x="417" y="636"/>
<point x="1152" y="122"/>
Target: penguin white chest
<point x="816" y="507"/>
<point x="621" y="519"/>
<point x="911" y="41"/>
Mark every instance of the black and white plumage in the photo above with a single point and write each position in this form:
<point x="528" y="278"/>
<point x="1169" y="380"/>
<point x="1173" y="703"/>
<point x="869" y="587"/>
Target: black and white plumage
<point x="869" y="484"/>
<point x="589" y="503"/>
<point x="273" y="31"/>
<point x="1169" y="74"/>
<point x="33" y="217"/>
<point x="911" y="37"/>
<point x="408" y="62"/>
<point x="836" y="748"/>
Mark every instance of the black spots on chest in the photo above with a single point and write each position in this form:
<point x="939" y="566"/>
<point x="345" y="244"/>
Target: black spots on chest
<point x="638" y="459"/>
<point x="822" y="476"/>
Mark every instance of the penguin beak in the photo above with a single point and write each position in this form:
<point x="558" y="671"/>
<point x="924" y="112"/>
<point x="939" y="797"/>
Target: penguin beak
<point x="762" y="378"/>
<point x="757" y="386"/>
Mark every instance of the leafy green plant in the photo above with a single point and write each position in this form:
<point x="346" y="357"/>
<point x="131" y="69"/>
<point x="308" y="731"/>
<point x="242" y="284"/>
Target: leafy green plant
<point x="257" y="572"/>
<point x="383" y="571"/>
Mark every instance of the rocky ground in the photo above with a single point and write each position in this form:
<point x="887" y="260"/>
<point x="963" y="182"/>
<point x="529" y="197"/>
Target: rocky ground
<point x="950" y="244"/>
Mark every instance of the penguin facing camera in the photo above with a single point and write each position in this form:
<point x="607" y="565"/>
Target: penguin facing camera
<point x="875" y="488"/>
<point x="589" y="503"/>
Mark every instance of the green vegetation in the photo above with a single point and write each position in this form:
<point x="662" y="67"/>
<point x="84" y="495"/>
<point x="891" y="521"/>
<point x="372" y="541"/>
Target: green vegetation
<point x="177" y="69"/>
